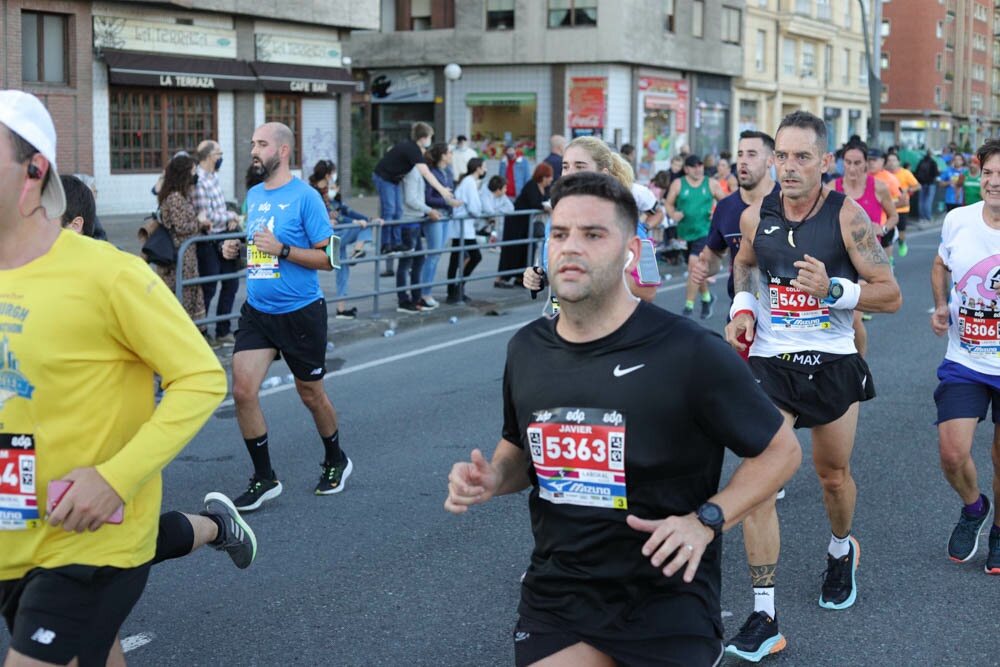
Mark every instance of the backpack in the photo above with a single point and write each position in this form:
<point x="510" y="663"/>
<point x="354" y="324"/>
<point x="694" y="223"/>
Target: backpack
<point x="925" y="171"/>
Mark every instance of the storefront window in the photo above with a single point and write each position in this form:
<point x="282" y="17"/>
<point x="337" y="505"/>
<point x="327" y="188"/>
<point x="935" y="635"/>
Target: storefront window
<point x="499" y="119"/>
<point x="149" y="126"/>
<point x="287" y="109"/>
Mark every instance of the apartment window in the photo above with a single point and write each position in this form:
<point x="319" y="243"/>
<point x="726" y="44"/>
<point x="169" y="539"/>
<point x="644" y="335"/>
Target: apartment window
<point x="979" y="12"/>
<point x="762" y="3"/>
<point x="884" y="57"/>
<point x="845" y="66"/>
<point x="788" y="56"/>
<point x="669" y="15"/>
<point x="698" y="18"/>
<point x="979" y="72"/>
<point x="937" y="96"/>
<point x="808" y="60"/>
<point x="862" y="69"/>
<point x="44" y="39"/>
<point x="761" y="45"/>
<point x="885" y="28"/>
<point x="731" y="22"/>
<point x="572" y="13"/>
<point x="940" y="29"/>
<point x="828" y="64"/>
<point x="823" y="11"/>
<point x="979" y="42"/>
<point x="976" y="101"/>
<point x="885" y="94"/>
<point x="499" y="14"/>
<point x="286" y="109"/>
<point x="803" y="7"/>
<point x="149" y="126"/>
<point x="938" y="61"/>
<point x="847" y="13"/>
<point x="425" y="14"/>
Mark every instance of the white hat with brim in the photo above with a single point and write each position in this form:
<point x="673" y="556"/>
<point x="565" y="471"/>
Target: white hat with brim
<point x="25" y="115"/>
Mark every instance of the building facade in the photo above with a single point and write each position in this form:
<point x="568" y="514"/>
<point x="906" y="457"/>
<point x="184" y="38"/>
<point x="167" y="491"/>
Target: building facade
<point x="941" y="71"/>
<point x="660" y="79"/>
<point x="804" y="54"/>
<point x="131" y="83"/>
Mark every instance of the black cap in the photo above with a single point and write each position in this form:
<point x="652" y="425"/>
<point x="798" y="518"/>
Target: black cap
<point x="874" y="153"/>
<point x="692" y="160"/>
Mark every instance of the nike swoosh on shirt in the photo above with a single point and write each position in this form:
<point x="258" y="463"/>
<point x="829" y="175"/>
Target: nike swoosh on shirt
<point x="619" y="371"/>
<point x="771" y="230"/>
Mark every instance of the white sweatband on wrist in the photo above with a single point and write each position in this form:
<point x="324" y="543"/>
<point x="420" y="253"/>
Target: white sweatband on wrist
<point x="849" y="299"/>
<point x="743" y="301"/>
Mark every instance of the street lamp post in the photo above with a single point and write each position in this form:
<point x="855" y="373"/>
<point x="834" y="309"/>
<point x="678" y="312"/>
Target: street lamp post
<point x="452" y="72"/>
<point x="873" y="53"/>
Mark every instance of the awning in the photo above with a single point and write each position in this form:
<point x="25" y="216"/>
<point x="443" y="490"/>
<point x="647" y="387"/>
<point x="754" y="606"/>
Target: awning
<point x="304" y="79"/>
<point x="499" y="99"/>
<point x="128" y="68"/>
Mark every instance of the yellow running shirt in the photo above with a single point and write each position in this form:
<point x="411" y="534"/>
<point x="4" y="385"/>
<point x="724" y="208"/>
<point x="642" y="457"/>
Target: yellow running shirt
<point x="82" y="329"/>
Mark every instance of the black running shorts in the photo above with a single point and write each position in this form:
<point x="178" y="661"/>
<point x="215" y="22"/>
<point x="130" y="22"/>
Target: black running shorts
<point x="695" y="247"/>
<point x="818" y="395"/>
<point x="298" y="336"/>
<point x="534" y="641"/>
<point x="74" y="611"/>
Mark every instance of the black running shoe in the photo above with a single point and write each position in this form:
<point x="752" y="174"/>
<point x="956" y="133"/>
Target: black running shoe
<point x="235" y="538"/>
<point x="839" y="591"/>
<point x="259" y="491"/>
<point x="965" y="537"/>
<point x="758" y="638"/>
<point x="332" y="479"/>
<point x="993" y="559"/>
<point x="706" y="307"/>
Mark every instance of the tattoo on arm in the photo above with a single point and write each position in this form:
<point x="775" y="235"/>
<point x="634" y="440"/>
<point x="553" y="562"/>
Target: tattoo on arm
<point x="863" y="236"/>
<point x="762" y="576"/>
<point x="745" y="278"/>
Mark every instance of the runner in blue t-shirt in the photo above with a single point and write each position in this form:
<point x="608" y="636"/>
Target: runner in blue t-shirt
<point x="288" y="231"/>
<point x="754" y="158"/>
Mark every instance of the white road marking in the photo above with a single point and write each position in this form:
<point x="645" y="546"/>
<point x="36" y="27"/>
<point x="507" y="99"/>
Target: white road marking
<point x="424" y="350"/>
<point x="133" y="642"/>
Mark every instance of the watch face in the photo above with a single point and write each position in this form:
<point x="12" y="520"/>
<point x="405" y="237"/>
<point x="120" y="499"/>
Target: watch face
<point x="836" y="290"/>
<point x="710" y="513"/>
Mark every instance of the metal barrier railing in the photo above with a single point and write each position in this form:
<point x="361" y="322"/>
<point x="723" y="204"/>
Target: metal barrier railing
<point x="377" y="291"/>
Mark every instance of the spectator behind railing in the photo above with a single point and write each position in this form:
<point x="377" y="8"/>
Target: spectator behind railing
<point x="493" y="197"/>
<point x="178" y="216"/>
<point x="518" y="227"/>
<point x="439" y="159"/>
<point x="342" y="215"/>
<point x="409" y="270"/>
<point x="463" y="231"/>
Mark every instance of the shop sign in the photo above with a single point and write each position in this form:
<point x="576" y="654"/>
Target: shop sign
<point x="271" y="48"/>
<point x="112" y="32"/>
<point x="663" y="93"/>
<point x="405" y="85"/>
<point x="588" y="102"/>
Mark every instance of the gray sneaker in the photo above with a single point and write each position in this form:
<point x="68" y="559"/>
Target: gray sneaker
<point x="236" y="538"/>
<point x="965" y="537"/>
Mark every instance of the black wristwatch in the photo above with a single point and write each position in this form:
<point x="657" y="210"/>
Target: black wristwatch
<point x="711" y="515"/>
<point x="286" y="249"/>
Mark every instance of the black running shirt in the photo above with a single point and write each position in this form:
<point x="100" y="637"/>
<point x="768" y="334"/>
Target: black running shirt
<point x="636" y="422"/>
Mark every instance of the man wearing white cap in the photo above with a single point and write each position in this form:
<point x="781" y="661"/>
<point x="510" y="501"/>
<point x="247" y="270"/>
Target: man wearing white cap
<point x="83" y="327"/>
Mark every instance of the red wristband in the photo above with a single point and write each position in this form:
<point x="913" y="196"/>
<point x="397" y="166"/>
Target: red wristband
<point x="748" y="312"/>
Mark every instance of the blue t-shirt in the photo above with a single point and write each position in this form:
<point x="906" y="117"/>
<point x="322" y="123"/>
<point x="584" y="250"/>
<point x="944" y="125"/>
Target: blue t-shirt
<point x="296" y="215"/>
<point x="725" y="229"/>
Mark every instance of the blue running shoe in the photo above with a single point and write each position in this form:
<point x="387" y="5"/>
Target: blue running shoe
<point x="839" y="591"/>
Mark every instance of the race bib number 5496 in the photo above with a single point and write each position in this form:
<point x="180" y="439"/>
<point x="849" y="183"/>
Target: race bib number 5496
<point x="579" y="456"/>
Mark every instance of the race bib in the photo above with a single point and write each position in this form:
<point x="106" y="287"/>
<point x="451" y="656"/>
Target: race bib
<point x="579" y="456"/>
<point x="18" y="499"/>
<point x="261" y="265"/>
<point x="977" y="331"/>
<point x="795" y="310"/>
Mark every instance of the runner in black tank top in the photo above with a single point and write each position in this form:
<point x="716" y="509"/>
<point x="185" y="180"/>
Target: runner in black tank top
<point x="796" y="277"/>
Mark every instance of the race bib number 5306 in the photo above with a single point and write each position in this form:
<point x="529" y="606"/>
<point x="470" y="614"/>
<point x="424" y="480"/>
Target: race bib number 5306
<point x="579" y="456"/>
<point x="18" y="499"/>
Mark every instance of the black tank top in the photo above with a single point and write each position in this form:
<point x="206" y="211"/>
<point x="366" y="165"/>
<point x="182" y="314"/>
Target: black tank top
<point x="820" y="236"/>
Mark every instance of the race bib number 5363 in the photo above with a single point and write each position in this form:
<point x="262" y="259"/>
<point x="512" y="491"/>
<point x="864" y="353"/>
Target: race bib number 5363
<point x="18" y="499"/>
<point x="579" y="456"/>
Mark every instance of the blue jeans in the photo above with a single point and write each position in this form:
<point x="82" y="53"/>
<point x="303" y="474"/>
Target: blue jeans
<point x="434" y="236"/>
<point x="211" y="263"/>
<point x="927" y="193"/>
<point x="390" y="199"/>
<point x="348" y="237"/>
<point x="409" y="264"/>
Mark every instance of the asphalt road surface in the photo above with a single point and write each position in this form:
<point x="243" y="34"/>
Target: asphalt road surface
<point x="382" y="575"/>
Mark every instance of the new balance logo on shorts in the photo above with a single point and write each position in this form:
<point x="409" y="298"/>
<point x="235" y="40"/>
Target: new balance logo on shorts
<point x="43" y="636"/>
<point x="317" y="371"/>
<point x="521" y="636"/>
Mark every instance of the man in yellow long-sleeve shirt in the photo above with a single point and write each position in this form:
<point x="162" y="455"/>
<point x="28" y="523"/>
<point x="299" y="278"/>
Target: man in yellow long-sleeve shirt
<point x="83" y="327"/>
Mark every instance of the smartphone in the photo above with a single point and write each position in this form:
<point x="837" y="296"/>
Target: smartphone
<point x="333" y="251"/>
<point x="647" y="273"/>
<point x="59" y="487"/>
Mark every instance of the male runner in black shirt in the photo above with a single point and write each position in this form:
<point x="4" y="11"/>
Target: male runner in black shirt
<point x="624" y="501"/>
